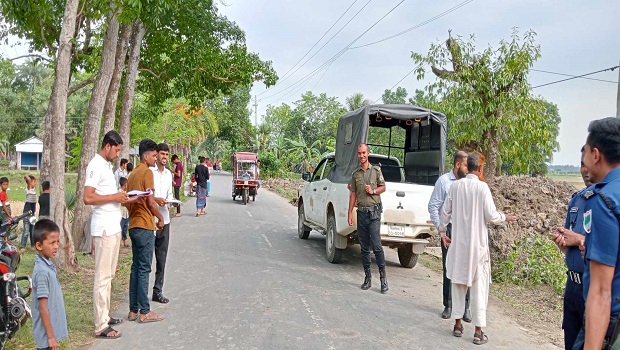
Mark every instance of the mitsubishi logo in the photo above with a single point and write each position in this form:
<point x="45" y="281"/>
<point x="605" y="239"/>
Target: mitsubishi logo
<point x="400" y="205"/>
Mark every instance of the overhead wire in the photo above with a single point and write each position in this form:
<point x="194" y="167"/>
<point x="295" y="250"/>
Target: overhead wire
<point x="570" y="75"/>
<point x="398" y="82"/>
<point x="577" y="76"/>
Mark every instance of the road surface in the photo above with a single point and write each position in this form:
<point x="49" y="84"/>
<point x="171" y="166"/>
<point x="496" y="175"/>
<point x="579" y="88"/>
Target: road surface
<point x="240" y="278"/>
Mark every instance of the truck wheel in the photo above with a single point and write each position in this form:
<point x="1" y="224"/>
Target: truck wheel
<point x="406" y="256"/>
<point x="303" y="231"/>
<point x="334" y="255"/>
<point x="245" y="197"/>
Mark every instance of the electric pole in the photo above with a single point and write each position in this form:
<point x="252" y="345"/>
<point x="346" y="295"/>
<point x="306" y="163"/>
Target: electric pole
<point x="618" y="97"/>
<point x="255" y="112"/>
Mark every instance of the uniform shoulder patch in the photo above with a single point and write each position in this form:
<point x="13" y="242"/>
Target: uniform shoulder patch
<point x="587" y="221"/>
<point x="588" y="194"/>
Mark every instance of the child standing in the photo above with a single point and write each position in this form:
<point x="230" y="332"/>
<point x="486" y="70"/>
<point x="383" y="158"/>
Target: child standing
<point x="49" y="320"/>
<point x="44" y="200"/>
<point x="30" y="205"/>
<point x="122" y="181"/>
<point x="5" y="206"/>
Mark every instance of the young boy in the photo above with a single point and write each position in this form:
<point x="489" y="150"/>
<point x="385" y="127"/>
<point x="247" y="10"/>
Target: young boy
<point x="5" y="206"/>
<point x="49" y="320"/>
<point x="122" y="181"/>
<point x="44" y="200"/>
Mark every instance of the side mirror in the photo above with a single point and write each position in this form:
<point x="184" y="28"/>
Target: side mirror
<point x="306" y="176"/>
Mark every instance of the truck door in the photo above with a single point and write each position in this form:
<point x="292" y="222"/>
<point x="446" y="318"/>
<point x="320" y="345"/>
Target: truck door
<point x="322" y="191"/>
<point x="310" y="205"/>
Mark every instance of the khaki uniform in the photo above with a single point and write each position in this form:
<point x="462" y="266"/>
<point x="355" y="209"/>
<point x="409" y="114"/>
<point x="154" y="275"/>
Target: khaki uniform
<point x="373" y="177"/>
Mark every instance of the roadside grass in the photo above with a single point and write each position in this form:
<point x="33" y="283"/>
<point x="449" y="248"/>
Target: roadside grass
<point x="573" y="179"/>
<point x="78" y="295"/>
<point x="17" y="184"/>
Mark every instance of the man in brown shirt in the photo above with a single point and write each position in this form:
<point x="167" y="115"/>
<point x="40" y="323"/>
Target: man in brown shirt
<point x="142" y="228"/>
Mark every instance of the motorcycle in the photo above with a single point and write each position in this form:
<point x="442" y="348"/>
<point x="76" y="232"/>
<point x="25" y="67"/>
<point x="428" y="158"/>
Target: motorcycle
<point x="14" y="309"/>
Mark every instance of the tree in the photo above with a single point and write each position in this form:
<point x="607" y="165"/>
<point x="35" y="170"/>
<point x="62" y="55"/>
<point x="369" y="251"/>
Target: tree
<point x="489" y="101"/>
<point x="356" y="101"/>
<point x="395" y="97"/>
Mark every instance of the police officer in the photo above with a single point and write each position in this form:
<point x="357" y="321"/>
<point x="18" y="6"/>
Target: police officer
<point x="366" y="186"/>
<point x="601" y="223"/>
<point x="568" y="238"/>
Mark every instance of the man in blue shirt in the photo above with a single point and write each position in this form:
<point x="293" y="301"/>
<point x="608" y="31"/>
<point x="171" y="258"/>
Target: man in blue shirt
<point x="440" y="193"/>
<point x="601" y="278"/>
<point x="568" y="238"/>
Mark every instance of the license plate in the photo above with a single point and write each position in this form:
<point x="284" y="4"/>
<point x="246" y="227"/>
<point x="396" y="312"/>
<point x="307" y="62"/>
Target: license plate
<point x="245" y="182"/>
<point x="395" y="230"/>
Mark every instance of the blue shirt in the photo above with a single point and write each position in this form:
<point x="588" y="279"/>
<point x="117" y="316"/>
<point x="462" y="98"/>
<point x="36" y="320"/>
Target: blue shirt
<point x="440" y="193"/>
<point x="45" y="284"/>
<point x="603" y="232"/>
<point x="574" y="222"/>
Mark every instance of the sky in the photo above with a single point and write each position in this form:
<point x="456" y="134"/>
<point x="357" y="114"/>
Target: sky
<point x="576" y="37"/>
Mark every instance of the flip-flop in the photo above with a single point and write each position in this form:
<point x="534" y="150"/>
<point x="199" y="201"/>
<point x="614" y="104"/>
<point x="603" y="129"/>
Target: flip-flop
<point x="114" y="321"/>
<point x="105" y="332"/>
<point x="481" y="338"/>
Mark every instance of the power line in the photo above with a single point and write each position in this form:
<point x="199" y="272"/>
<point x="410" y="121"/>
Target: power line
<point x="576" y="76"/>
<point x="318" y="41"/>
<point x="321" y="48"/>
<point x="570" y="75"/>
<point x="403" y="78"/>
<point x="340" y="53"/>
<point x="417" y="25"/>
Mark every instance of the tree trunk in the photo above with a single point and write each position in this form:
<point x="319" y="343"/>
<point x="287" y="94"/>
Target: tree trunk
<point x="109" y="111"/>
<point x="47" y="143"/>
<point x="92" y="123"/>
<point x="56" y="110"/>
<point x="491" y="154"/>
<point x="135" y="43"/>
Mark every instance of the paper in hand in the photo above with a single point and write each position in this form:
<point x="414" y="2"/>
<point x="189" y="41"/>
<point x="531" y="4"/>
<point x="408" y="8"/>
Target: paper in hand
<point x="136" y="193"/>
<point x="174" y="201"/>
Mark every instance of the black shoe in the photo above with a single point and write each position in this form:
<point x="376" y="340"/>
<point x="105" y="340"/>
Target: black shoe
<point x="383" y="279"/>
<point x="447" y="312"/>
<point x="467" y="316"/>
<point x="160" y="298"/>
<point x="367" y="280"/>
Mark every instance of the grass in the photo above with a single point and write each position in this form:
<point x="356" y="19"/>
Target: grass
<point x="17" y="184"/>
<point x="573" y="179"/>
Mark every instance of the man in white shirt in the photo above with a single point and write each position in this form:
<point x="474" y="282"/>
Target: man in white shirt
<point x="162" y="178"/>
<point x="121" y="172"/>
<point x="468" y="262"/>
<point x="100" y="191"/>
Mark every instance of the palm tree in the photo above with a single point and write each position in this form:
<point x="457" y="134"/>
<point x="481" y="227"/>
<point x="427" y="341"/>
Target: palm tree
<point x="356" y="101"/>
<point x="301" y="152"/>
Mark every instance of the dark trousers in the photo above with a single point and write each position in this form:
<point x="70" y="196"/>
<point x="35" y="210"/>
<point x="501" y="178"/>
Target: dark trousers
<point x="124" y="226"/>
<point x="161" y="251"/>
<point x="142" y="246"/>
<point x="28" y="228"/>
<point x="447" y="294"/>
<point x="574" y="309"/>
<point x="177" y="196"/>
<point x="367" y="234"/>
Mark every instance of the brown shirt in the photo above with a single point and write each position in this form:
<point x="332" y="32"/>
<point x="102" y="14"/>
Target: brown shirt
<point x="140" y="216"/>
<point x="371" y="176"/>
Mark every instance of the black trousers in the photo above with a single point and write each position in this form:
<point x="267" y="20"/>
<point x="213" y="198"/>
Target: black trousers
<point x="447" y="295"/>
<point x="177" y="196"/>
<point x="574" y="310"/>
<point x="369" y="236"/>
<point x="162" y="238"/>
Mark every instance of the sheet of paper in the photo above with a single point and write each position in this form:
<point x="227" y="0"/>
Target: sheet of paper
<point x="136" y="193"/>
<point x="174" y="201"/>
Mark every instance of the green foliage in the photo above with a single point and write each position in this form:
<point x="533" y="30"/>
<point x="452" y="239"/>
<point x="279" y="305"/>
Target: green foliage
<point x="534" y="260"/>
<point x="399" y="96"/>
<point x="356" y="101"/>
<point x="270" y="165"/>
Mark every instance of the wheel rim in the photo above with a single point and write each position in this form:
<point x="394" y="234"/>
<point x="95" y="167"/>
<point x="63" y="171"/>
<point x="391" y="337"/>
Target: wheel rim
<point x="330" y="239"/>
<point x="300" y="220"/>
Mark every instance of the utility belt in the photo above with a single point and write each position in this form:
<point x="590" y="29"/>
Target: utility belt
<point x="374" y="207"/>
<point x="576" y="277"/>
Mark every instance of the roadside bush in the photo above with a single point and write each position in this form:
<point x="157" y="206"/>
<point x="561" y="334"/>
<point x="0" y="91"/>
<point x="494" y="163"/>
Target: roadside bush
<point x="270" y="165"/>
<point x="534" y="260"/>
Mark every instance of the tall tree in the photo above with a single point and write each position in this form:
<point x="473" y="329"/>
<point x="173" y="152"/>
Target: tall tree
<point x="356" y="101"/>
<point x="109" y="111"/>
<point x="399" y="96"/>
<point x="489" y="98"/>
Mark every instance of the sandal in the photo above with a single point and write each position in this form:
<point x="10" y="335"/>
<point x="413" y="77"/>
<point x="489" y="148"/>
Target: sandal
<point x="132" y="316"/>
<point x="457" y="331"/>
<point x="113" y="321"/>
<point x="150" y="317"/>
<point x="105" y="334"/>
<point x="481" y="338"/>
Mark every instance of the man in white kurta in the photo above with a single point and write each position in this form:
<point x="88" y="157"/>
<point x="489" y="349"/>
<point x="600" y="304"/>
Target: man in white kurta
<point x="470" y="206"/>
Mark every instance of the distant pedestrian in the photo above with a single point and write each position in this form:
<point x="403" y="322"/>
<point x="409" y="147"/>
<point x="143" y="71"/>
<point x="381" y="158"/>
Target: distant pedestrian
<point x="5" y="205"/>
<point x="367" y="184"/>
<point x="470" y="207"/>
<point x="201" y="174"/>
<point x="101" y="192"/>
<point x="44" y="200"/>
<point x="49" y="319"/>
<point x="29" y="206"/>
<point x="142" y="227"/>
<point x="129" y="169"/>
<point x="177" y="180"/>
<point x="163" y="193"/>
<point x="438" y="197"/>
<point x="124" y="212"/>
<point x="121" y="171"/>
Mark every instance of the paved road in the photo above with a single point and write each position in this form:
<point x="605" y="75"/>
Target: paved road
<point x="239" y="278"/>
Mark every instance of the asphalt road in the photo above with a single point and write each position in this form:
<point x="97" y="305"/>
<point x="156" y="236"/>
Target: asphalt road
<point x="240" y="278"/>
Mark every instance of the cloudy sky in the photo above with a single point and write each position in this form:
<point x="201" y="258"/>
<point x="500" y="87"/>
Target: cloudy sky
<point x="576" y="37"/>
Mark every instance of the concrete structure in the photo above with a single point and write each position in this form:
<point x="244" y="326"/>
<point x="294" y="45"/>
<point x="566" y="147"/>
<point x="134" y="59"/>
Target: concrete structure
<point x="29" y="154"/>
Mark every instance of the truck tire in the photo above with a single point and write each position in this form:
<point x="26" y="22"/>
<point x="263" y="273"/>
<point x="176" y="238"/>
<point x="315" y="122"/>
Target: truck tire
<point x="406" y="256"/>
<point x="303" y="231"/>
<point x="245" y="196"/>
<point x="334" y="255"/>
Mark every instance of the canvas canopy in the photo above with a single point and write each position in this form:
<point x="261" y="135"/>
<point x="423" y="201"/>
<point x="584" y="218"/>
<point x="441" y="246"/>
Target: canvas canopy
<point x="425" y="141"/>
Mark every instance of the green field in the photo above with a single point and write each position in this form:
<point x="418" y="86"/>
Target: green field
<point x="573" y="179"/>
<point x="17" y="184"/>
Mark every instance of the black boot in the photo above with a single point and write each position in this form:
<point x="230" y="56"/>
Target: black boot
<point x="367" y="281"/>
<point x="383" y="278"/>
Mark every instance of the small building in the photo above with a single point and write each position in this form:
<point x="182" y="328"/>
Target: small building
<point x="29" y="154"/>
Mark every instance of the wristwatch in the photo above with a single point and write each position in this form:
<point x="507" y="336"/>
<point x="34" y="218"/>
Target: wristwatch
<point x="374" y="191"/>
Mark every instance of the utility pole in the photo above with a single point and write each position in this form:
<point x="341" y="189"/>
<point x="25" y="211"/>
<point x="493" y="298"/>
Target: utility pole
<point x="618" y="97"/>
<point x="255" y="112"/>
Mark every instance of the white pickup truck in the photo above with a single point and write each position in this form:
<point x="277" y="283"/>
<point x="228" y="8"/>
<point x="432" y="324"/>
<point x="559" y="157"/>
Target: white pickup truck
<point x="405" y="223"/>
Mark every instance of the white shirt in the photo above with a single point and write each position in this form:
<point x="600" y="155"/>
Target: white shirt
<point x="163" y="189"/>
<point x="440" y="192"/>
<point x="105" y="217"/>
<point x="471" y="207"/>
<point x="118" y="174"/>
